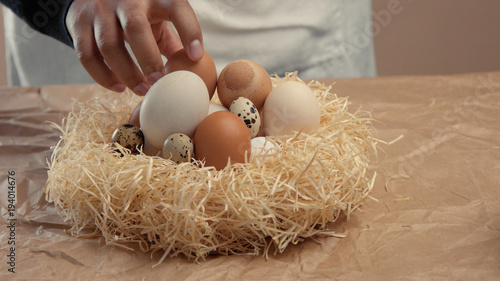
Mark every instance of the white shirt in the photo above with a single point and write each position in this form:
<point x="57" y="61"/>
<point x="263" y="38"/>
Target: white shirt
<point x="319" y="38"/>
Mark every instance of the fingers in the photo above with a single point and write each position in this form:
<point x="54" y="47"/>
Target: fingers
<point x="87" y="51"/>
<point x="184" y="19"/>
<point x="99" y="43"/>
<point x="110" y="42"/>
<point x="168" y="41"/>
<point x="99" y="28"/>
<point x="91" y="60"/>
<point x="137" y="29"/>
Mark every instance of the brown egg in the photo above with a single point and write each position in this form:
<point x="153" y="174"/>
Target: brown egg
<point x="222" y="136"/>
<point x="134" y="116"/>
<point x="150" y="150"/>
<point x="205" y="68"/>
<point x="244" y="78"/>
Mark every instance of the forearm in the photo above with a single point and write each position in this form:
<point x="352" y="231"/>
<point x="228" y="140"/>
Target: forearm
<point x="45" y="16"/>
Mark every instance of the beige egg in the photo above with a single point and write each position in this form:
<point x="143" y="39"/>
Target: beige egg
<point x="291" y="107"/>
<point x="244" y="78"/>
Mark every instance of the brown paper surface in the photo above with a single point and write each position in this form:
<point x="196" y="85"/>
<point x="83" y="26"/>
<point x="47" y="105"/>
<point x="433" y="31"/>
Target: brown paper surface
<point x="436" y="214"/>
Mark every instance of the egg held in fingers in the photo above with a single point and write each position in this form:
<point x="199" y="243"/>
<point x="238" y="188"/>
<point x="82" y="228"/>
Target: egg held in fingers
<point x="205" y="68"/>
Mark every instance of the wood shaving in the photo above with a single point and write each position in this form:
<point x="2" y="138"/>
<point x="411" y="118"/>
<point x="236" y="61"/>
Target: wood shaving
<point x="394" y="177"/>
<point x="392" y="141"/>
<point x="276" y="199"/>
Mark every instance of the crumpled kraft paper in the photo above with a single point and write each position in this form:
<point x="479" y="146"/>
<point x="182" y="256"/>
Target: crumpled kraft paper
<point x="435" y="212"/>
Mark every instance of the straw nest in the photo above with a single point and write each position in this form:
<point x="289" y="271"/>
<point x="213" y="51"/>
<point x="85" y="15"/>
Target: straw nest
<point x="279" y="197"/>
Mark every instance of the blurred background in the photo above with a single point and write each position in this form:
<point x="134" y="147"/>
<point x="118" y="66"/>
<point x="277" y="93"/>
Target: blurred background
<point x="437" y="36"/>
<point x="421" y="37"/>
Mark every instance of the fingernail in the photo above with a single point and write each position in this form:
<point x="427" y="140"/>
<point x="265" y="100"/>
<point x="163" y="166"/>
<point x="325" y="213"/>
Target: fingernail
<point x="155" y="76"/>
<point x="141" y="89"/>
<point x="196" y="50"/>
<point x="118" y="87"/>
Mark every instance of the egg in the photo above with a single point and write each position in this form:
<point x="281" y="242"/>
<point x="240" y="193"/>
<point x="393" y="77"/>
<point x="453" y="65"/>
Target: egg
<point x="291" y="106"/>
<point x="150" y="150"/>
<point x="260" y="146"/>
<point x="205" y="68"/>
<point x="178" y="148"/>
<point x="134" y="116"/>
<point x="214" y="107"/>
<point x="174" y="104"/>
<point x="246" y="111"/>
<point x="244" y="78"/>
<point x="220" y="138"/>
<point x="129" y="136"/>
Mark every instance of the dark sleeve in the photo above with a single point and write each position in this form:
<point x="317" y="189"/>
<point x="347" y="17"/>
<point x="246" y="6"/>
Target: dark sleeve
<point x="45" y="16"/>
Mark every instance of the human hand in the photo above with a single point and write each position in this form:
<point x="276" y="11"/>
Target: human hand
<point x="99" y="29"/>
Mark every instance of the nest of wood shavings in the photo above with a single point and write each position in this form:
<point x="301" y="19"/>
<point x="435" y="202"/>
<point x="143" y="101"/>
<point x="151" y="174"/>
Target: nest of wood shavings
<point x="279" y="197"/>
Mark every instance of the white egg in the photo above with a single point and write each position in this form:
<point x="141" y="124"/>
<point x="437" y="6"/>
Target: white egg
<point x="260" y="146"/>
<point x="174" y="104"/>
<point x="214" y="107"/>
<point x="291" y="107"/>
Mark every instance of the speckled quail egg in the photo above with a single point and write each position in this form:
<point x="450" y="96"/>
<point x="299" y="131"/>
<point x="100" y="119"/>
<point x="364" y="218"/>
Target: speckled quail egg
<point x="129" y="136"/>
<point x="246" y="111"/>
<point x="178" y="147"/>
